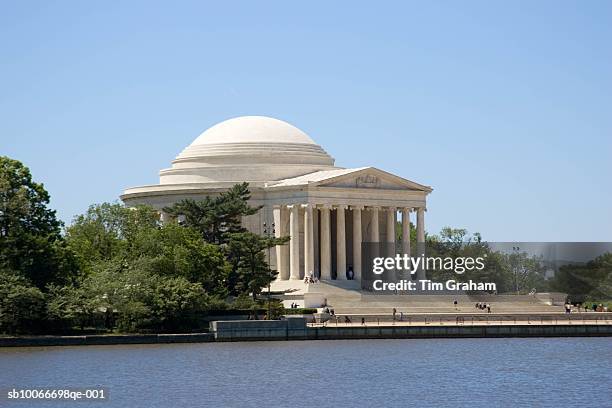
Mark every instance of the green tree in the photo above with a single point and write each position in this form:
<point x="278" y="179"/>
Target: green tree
<point x="145" y="301"/>
<point x="455" y="243"/>
<point x="98" y="235"/>
<point x="527" y="272"/>
<point x="592" y="280"/>
<point x="69" y="306"/>
<point x="22" y="306"/>
<point x="510" y="272"/>
<point x="153" y="276"/>
<point x="177" y="251"/>
<point x="30" y="234"/>
<point x="250" y="270"/>
<point x="216" y="217"/>
<point x="107" y="231"/>
<point x="23" y="203"/>
<point x="177" y="302"/>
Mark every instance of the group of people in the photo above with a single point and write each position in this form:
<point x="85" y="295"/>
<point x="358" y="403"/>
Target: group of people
<point x="588" y="307"/>
<point x="595" y="307"/>
<point x="310" y="278"/>
<point x="483" y="306"/>
<point x="348" y="320"/>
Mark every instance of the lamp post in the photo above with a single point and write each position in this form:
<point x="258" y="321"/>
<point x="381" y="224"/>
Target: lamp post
<point x="516" y="251"/>
<point x="269" y="232"/>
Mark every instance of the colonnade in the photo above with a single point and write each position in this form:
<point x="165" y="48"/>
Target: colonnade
<point x="317" y="246"/>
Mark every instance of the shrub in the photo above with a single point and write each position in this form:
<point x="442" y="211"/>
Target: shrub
<point x="22" y="306"/>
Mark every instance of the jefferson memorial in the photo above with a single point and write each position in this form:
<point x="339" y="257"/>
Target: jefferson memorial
<point x="327" y="210"/>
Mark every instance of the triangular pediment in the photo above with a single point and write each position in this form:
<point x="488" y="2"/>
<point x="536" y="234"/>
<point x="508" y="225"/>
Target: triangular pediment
<point x="370" y="178"/>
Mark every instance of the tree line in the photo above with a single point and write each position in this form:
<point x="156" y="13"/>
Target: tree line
<point x="519" y="272"/>
<point x="122" y="269"/>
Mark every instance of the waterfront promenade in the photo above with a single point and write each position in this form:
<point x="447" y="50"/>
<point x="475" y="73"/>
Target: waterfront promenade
<point x="470" y="320"/>
<point x="457" y="326"/>
<point x="442" y="325"/>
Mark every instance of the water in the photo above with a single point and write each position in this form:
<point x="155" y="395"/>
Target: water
<point x="563" y="372"/>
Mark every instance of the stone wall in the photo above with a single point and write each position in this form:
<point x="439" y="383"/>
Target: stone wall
<point x="296" y="329"/>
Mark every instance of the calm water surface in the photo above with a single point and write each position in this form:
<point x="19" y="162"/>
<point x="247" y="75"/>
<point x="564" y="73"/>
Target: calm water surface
<point x="575" y="372"/>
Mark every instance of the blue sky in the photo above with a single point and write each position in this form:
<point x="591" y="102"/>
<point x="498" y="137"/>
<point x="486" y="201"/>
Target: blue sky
<point x="504" y="108"/>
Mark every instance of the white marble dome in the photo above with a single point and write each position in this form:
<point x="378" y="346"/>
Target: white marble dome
<point x="252" y="129"/>
<point x="247" y="148"/>
<point x="300" y="191"/>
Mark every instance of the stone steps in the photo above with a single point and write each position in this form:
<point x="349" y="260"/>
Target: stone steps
<point x="346" y="297"/>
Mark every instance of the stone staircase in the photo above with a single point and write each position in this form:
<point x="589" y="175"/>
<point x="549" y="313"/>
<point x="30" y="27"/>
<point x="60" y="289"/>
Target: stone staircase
<point x="347" y="298"/>
<point x="411" y="304"/>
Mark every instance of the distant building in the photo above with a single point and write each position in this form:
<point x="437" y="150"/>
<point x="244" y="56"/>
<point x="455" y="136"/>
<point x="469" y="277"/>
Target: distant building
<point x="328" y="211"/>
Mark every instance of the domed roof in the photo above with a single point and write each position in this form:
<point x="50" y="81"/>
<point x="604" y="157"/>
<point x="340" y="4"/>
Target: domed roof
<point x="252" y="129"/>
<point x="247" y="148"/>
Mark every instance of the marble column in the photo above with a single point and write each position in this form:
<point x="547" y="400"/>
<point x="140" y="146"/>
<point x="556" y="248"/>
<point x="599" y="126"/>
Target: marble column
<point x="340" y="242"/>
<point x="389" y="250"/>
<point x="280" y="230"/>
<point x="285" y="233"/>
<point x="294" y="244"/>
<point x="391" y="225"/>
<point x="276" y="211"/>
<point x="357" y="241"/>
<point x="421" y="240"/>
<point x="406" y="231"/>
<point x="315" y="240"/>
<point x="325" y="242"/>
<point x="308" y="241"/>
<point x="420" y="224"/>
<point x="374" y="231"/>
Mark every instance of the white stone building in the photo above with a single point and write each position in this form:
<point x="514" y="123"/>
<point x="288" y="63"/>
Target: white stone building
<point x="328" y="211"/>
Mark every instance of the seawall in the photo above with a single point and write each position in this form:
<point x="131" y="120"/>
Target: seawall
<point x="297" y="329"/>
<point x="97" y="340"/>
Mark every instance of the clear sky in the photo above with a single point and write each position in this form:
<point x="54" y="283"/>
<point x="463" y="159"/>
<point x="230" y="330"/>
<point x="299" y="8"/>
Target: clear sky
<point x="503" y="107"/>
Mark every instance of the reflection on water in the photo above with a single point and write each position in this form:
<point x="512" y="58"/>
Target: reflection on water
<point x="438" y="373"/>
